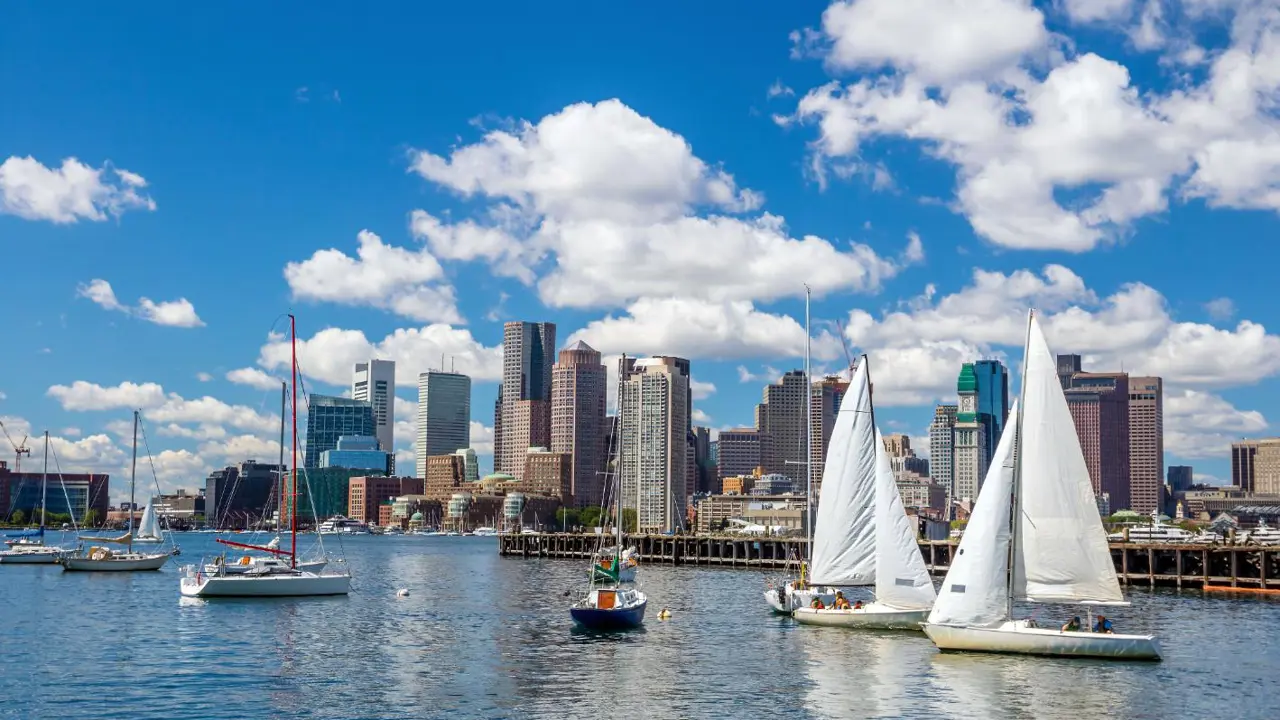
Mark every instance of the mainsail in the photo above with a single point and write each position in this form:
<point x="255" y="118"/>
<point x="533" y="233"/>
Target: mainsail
<point x="902" y="580"/>
<point x="149" y="525"/>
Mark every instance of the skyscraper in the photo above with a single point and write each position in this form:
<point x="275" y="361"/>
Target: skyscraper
<point x="739" y="452"/>
<point x="993" y="401"/>
<point x="444" y="416"/>
<point x="1146" y="444"/>
<point x="329" y="418"/>
<point x="524" y="411"/>
<point x="374" y="382"/>
<point x="471" y="464"/>
<point x="1255" y="465"/>
<point x="579" y="390"/>
<point x="1068" y="365"/>
<point x="970" y="454"/>
<point x="942" y="445"/>
<point x="1099" y="404"/>
<point x="655" y="422"/>
<point x="1181" y="478"/>
<point x="827" y="394"/>
<point x="783" y="415"/>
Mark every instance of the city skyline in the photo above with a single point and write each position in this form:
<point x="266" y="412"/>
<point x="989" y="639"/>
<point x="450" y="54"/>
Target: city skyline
<point x="674" y="201"/>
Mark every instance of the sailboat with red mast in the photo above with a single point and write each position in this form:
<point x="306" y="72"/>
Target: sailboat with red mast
<point x="271" y="579"/>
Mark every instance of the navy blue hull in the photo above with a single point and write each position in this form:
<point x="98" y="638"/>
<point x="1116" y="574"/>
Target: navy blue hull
<point x="616" y="619"/>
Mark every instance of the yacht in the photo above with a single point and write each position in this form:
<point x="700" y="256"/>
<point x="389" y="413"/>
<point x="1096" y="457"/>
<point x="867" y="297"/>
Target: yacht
<point x="342" y="525"/>
<point x="485" y="532"/>
<point x="1156" y="532"/>
<point x="1264" y="535"/>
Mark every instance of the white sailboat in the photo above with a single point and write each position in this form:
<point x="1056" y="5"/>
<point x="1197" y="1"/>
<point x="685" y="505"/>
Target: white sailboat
<point x="1035" y="535"/>
<point x="863" y="535"/>
<point x="149" y="527"/>
<point x="270" y="578"/>
<point x="790" y="594"/>
<point x="26" y="551"/>
<point x="99" y="558"/>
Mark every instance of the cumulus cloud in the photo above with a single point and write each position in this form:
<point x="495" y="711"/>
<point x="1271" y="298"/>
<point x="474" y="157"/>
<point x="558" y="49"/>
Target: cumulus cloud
<point x="255" y="378"/>
<point x="69" y="193"/>
<point x="1203" y="425"/>
<point x="172" y="313"/>
<point x="160" y="407"/>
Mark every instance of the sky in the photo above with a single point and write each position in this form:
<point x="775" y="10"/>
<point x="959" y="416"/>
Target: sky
<point x="655" y="178"/>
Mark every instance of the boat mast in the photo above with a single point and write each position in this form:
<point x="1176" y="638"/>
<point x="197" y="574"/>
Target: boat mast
<point x="293" y="499"/>
<point x="284" y="392"/>
<point x="133" y="478"/>
<point x="622" y="385"/>
<point x="808" y="460"/>
<point x="44" y="484"/>
<point x="1015" y="499"/>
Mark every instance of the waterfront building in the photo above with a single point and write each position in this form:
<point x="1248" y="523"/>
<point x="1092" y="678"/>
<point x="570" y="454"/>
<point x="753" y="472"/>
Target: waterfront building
<point x="783" y="511"/>
<point x="1146" y="444"/>
<point x="970" y="458"/>
<point x="919" y="492"/>
<point x="773" y="484"/>
<point x="993" y="401"/>
<point x="549" y="474"/>
<point x="654" y="432"/>
<point x="579" y="392"/>
<point x="942" y="439"/>
<point x="406" y="507"/>
<point x="366" y="494"/>
<point x="827" y="394"/>
<point x="1255" y="465"/>
<point x="74" y="494"/>
<point x="329" y="418"/>
<point x="374" y="382"/>
<point x="471" y="462"/>
<point x="523" y="411"/>
<point x="358" y="453"/>
<point x="182" y="509"/>
<point x="243" y="495"/>
<point x="1099" y="404"/>
<point x="444" y="416"/>
<point x="324" y="492"/>
<point x="444" y="476"/>
<point x="783" y="416"/>
<point x="739" y="452"/>
<point x="739" y="484"/>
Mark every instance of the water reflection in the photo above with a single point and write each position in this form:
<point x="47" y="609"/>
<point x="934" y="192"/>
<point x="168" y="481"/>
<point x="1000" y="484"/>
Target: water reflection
<point x="863" y="674"/>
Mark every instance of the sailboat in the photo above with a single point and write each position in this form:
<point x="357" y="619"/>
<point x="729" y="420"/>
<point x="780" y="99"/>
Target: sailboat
<point x="863" y="535"/>
<point x="267" y="579"/>
<point x="149" y="527"/>
<point x="1035" y="535"/>
<point x="103" y="559"/>
<point x="608" y="605"/>
<point x="29" y="547"/>
<point x="788" y="595"/>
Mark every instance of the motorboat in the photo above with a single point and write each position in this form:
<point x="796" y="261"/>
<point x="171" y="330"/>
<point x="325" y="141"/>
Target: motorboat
<point x="1263" y="535"/>
<point x="342" y="525"/>
<point x="1156" y="532"/>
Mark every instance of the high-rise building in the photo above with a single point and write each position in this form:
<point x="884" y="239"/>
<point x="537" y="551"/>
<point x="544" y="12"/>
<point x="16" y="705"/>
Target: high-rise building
<point x="1146" y="444"/>
<point x="1181" y="478"/>
<point x="241" y="495"/>
<point x="739" y="452"/>
<point x="705" y="478"/>
<point x="365" y="495"/>
<point x="902" y="458"/>
<point x="471" y="464"/>
<point x="970" y="455"/>
<point x="329" y="418"/>
<point x="444" y="416"/>
<point x="826" y="397"/>
<point x="655" y="422"/>
<point x="375" y="383"/>
<point x="1255" y="465"/>
<point x="579" y="392"/>
<point x="445" y="475"/>
<point x="1068" y="365"/>
<point x="524" y="411"/>
<point x="548" y="473"/>
<point x="783" y="416"/>
<point x="357" y="453"/>
<point x="993" y="401"/>
<point x="1099" y="404"/>
<point x="942" y="446"/>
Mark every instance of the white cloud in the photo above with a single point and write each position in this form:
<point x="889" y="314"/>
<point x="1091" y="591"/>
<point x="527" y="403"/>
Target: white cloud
<point x="237" y="449"/>
<point x="409" y="283"/>
<point x="71" y="431"/>
<point x="330" y="354"/>
<point x="173" y="469"/>
<point x="199" y="432"/>
<point x="255" y="378"/>
<point x="915" y="249"/>
<point x="1203" y="425"/>
<point x="481" y="438"/>
<point x="777" y="89"/>
<point x="1220" y="309"/>
<point x="701" y="390"/>
<point x="204" y="377"/>
<point x="1095" y="10"/>
<point x="70" y="193"/>
<point x="172" y="313"/>
<point x="1019" y="137"/>
<point x="81" y="396"/>
<point x="699" y="416"/>
<point x="767" y="374"/>
<point x="468" y="241"/>
<point x="160" y="407"/>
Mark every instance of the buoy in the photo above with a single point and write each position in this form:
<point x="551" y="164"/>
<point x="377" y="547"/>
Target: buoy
<point x="664" y="614"/>
<point x="402" y="592"/>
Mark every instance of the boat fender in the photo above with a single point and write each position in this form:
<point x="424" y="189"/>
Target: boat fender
<point x="402" y="592"/>
<point x="664" y="614"/>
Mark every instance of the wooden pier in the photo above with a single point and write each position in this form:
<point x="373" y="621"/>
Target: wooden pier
<point x="1225" y="567"/>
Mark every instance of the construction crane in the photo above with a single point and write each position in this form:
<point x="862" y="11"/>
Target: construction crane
<point x="19" y="449"/>
<point x="844" y="342"/>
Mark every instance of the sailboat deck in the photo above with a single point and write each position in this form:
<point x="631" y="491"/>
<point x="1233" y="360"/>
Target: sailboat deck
<point x="1156" y="564"/>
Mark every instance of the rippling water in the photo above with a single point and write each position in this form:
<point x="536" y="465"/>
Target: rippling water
<point x="484" y="636"/>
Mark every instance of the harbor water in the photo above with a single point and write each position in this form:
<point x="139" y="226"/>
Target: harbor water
<point x="484" y="636"/>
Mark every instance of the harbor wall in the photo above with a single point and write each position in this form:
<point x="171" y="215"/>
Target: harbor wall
<point x="1161" y="564"/>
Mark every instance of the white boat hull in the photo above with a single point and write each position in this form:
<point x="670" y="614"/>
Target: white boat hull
<point x="299" y="585"/>
<point x="1018" y="637"/>
<point x="28" y="557"/>
<point x="116" y="564"/>
<point x="797" y="598"/>
<point x="869" y="617"/>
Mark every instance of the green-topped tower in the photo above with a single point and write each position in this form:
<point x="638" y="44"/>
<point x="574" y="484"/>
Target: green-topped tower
<point x="970" y="438"/>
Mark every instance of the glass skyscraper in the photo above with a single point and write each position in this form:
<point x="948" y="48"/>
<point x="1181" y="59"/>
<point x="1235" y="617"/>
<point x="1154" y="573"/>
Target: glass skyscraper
<point x="329" y="418"/>
<point x="357" y="453"/>
<point x="993" y="401"/>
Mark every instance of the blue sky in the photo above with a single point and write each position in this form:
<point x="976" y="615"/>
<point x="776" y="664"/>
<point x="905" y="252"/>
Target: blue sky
<point x="654" y="179"/>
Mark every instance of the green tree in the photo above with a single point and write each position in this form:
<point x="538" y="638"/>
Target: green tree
<point x="629" y="520"/>
<point x="566" y="518"/>
<point x="91" y="519"/>
<point x="589" y="517"/>
<point x="18" y="518"/>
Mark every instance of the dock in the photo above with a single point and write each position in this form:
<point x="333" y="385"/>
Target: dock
<point x="1241" y="568"/>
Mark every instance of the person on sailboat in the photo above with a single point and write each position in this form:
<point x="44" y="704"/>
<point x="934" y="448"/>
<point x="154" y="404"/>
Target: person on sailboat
<point x="1073" y="625"/>
<point x="857" y="605"/>
<point x="841" y="603"/>
<point x="1103" y="626"/>
<point x="817" y="603"/>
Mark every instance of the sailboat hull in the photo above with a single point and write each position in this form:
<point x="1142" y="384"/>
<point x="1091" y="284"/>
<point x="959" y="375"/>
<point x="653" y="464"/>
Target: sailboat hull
<point x="1019" y="638"/>
<point x="796" y="599"/>
<point x="126" y="563"/>
<point x="870" y="617"/>
<point x="27" y="557"/>
<point x="616" y="619"/>
<point x="304" y="584"/>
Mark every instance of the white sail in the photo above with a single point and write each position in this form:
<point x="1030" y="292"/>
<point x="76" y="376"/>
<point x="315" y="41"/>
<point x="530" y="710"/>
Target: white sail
<point x="902" y="579"/>
<point x="1062" y="553"/>
<point x="976" y="589"/>
<point x="844" y="533"/>
<point x="149" y="525"/>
